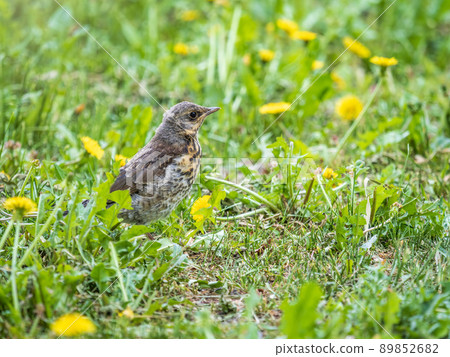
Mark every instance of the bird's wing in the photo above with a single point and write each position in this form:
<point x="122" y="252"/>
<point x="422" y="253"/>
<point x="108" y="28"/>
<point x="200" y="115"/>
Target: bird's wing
<point x="148" y="165"/>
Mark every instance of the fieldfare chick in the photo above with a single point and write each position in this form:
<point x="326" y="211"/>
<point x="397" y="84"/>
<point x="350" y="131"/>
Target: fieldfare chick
<point x="161" y="174"/>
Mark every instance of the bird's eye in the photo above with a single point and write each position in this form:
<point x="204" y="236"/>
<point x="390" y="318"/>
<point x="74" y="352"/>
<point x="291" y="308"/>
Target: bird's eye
<point x="193" y="115"/>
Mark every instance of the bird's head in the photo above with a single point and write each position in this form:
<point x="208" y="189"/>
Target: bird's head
<point x="186" y="118"/>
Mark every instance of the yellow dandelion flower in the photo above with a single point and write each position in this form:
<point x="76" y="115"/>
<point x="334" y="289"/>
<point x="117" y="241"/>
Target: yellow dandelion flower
<point x="181" y="49"/>
<point x="317" y="65"/>
<point x="202" y="202"/>
<point x="338" y="80"/>
<point x="274" y="108"/>
<point x="5" y="174"/>
<point x="190" y="15"/>
<point x="246" y="59"/>
<point x="20" y="206"/>
<point x="383" y="61"/>
<point x="266" y="55"/>
<point x="270" y="27"/>
<point x="303" y="35"/>
<point x="72" y="324"/>
<point x="329" y="173"/>
<point x="122" y="159"/>
<point x="349" y="107"/>
<point x="127" y="313"/>
<point x="92" y="147"/>
<point x="356" y="47"/>
<point x="287" y="26"/>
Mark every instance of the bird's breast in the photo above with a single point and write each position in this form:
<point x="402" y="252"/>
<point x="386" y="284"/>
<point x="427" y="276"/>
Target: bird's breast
<point x="188" y="166"/>
<point x="189" y="162"/>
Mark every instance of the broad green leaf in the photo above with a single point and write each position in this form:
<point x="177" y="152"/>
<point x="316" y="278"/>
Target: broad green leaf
<point x="159" y="272"/>
<point x="300" y="317"/>
<point x="101" y="274"/>
<point x="122" y="198"/>
<point x="391" y="309"/>
<point x="280" y="143"/>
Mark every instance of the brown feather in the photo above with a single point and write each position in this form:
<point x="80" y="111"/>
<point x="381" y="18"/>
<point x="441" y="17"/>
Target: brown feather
<point x="151" y="160"/>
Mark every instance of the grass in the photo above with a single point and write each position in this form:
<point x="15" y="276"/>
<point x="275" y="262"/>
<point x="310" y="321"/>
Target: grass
<point x="285" y="252"/>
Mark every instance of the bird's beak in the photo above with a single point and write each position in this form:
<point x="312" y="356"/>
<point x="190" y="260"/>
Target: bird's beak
<point x="211" y="110"/>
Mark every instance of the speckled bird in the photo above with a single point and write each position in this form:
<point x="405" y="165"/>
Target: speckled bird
<point x="161" y="174"/>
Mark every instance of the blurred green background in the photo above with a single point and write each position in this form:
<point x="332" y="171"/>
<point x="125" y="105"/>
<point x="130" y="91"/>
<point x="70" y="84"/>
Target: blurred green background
<point x="49" y="65"/>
